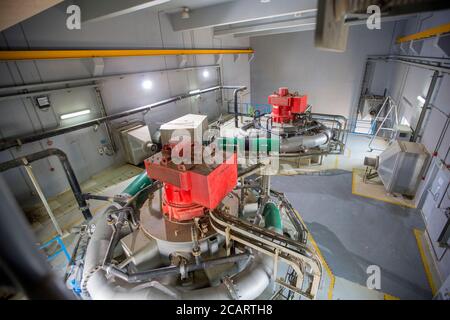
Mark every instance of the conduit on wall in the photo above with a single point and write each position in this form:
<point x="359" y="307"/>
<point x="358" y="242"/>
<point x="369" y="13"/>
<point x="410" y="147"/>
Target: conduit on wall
<point x="18" y="141"/>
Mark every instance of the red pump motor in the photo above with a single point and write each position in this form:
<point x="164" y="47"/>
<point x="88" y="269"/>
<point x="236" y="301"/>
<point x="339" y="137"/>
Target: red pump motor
<point x="190" y="190"/>
<point x="286" y="104"/>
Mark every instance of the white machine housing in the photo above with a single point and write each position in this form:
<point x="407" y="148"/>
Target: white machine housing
<point x="137" y="143"/>
<point x="400" y="166"/>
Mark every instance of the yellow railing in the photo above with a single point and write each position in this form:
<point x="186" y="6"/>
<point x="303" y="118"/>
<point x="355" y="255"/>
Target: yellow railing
<point x="444" y="28"/>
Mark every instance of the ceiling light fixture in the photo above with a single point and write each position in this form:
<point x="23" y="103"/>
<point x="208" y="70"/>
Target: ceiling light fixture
<point x="75" y="114"/>
<point x="147" y="84"/>
<point x="185" y="13"/>
<point x="205" y="74"/>
<point x="421" y="99"/>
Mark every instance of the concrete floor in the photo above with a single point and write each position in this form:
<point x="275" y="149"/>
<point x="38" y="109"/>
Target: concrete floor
<point x="353" y="232"/>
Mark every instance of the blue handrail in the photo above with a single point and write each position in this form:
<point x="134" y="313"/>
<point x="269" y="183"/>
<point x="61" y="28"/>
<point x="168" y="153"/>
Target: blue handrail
<point x="56" y="253"/>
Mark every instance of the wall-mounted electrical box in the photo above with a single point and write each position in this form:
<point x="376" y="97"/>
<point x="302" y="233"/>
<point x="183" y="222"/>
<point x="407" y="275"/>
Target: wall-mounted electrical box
<point x="402" y="132"/>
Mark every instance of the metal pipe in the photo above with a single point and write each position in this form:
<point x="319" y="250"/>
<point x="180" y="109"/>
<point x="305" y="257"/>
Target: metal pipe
<point x="296" y="143"/>
<point x="41" y="195"/>
<point x="92" y="82"/>
<point x="20" y="256"/>
<point x="414" y="62"/>
<point x="141" y="276"/>
<point x="67" y="167"/>
<point x="247" y="284"/>
<point x="285" y="145"/>
<point x="118" y="199"/>
<point x="150" y="274"/>
<point x="116" y="235"/>
<point x="273" y="245"/>
<point x="425" y="106"/>
<point x="44" y="92"/>
<point x="98" y="94"/>
<point x="403" y="56"/>
<point x="235" y="94"/>
<point x="28" y="138"/>
<point x="95" y="80"/>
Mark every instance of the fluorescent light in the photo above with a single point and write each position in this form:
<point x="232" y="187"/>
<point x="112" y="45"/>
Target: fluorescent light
<point x="75" y="114"/>
<point x="205" y="74"/>
<point x="194" y="91"/>
<point x="147" y="84"/>
<point x="421" y="99"/>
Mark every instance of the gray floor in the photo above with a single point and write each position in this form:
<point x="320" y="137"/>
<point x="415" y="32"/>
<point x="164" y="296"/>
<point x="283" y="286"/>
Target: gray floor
<point x="354" y="232"/>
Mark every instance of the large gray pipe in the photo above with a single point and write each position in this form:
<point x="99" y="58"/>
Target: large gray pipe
<point x="248" y="284"/>
<point x="296" y="143"/>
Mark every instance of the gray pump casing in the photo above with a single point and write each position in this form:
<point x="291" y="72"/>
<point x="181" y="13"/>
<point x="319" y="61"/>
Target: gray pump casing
<point x="400" y="166"/>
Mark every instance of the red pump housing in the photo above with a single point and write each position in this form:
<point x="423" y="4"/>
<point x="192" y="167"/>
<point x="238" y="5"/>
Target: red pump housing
<point x="285" y="105"/>
<point x="191" y="190"/>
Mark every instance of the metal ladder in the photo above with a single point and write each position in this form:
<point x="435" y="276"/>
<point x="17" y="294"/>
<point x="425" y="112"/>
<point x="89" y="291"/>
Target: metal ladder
<point x="391" y="114"/>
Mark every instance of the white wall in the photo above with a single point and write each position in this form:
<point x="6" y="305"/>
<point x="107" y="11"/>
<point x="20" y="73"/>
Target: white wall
<point x="331" y="80"/>
<point x="405" y="83"/>
<point x="143" y="29"/>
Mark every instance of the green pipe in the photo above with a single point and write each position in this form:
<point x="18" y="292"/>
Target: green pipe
<point x="272" y="217"/>
<point x="140" y="182"/>
<point x="247" y="143"/>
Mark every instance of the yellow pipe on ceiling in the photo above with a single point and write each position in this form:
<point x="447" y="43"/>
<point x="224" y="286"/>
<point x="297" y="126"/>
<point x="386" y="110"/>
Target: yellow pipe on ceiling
<point x="444" y="28"/>
<point x="80" y="54"/>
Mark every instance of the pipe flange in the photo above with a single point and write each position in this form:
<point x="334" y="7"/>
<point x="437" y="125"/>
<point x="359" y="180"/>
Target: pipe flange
<point x="232" y="290"/>
<point x="270" y="200"/>
<point x="196" y="252"/>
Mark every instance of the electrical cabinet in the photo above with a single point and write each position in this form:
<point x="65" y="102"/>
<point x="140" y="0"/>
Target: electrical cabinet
<point x="436" y="214"/>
